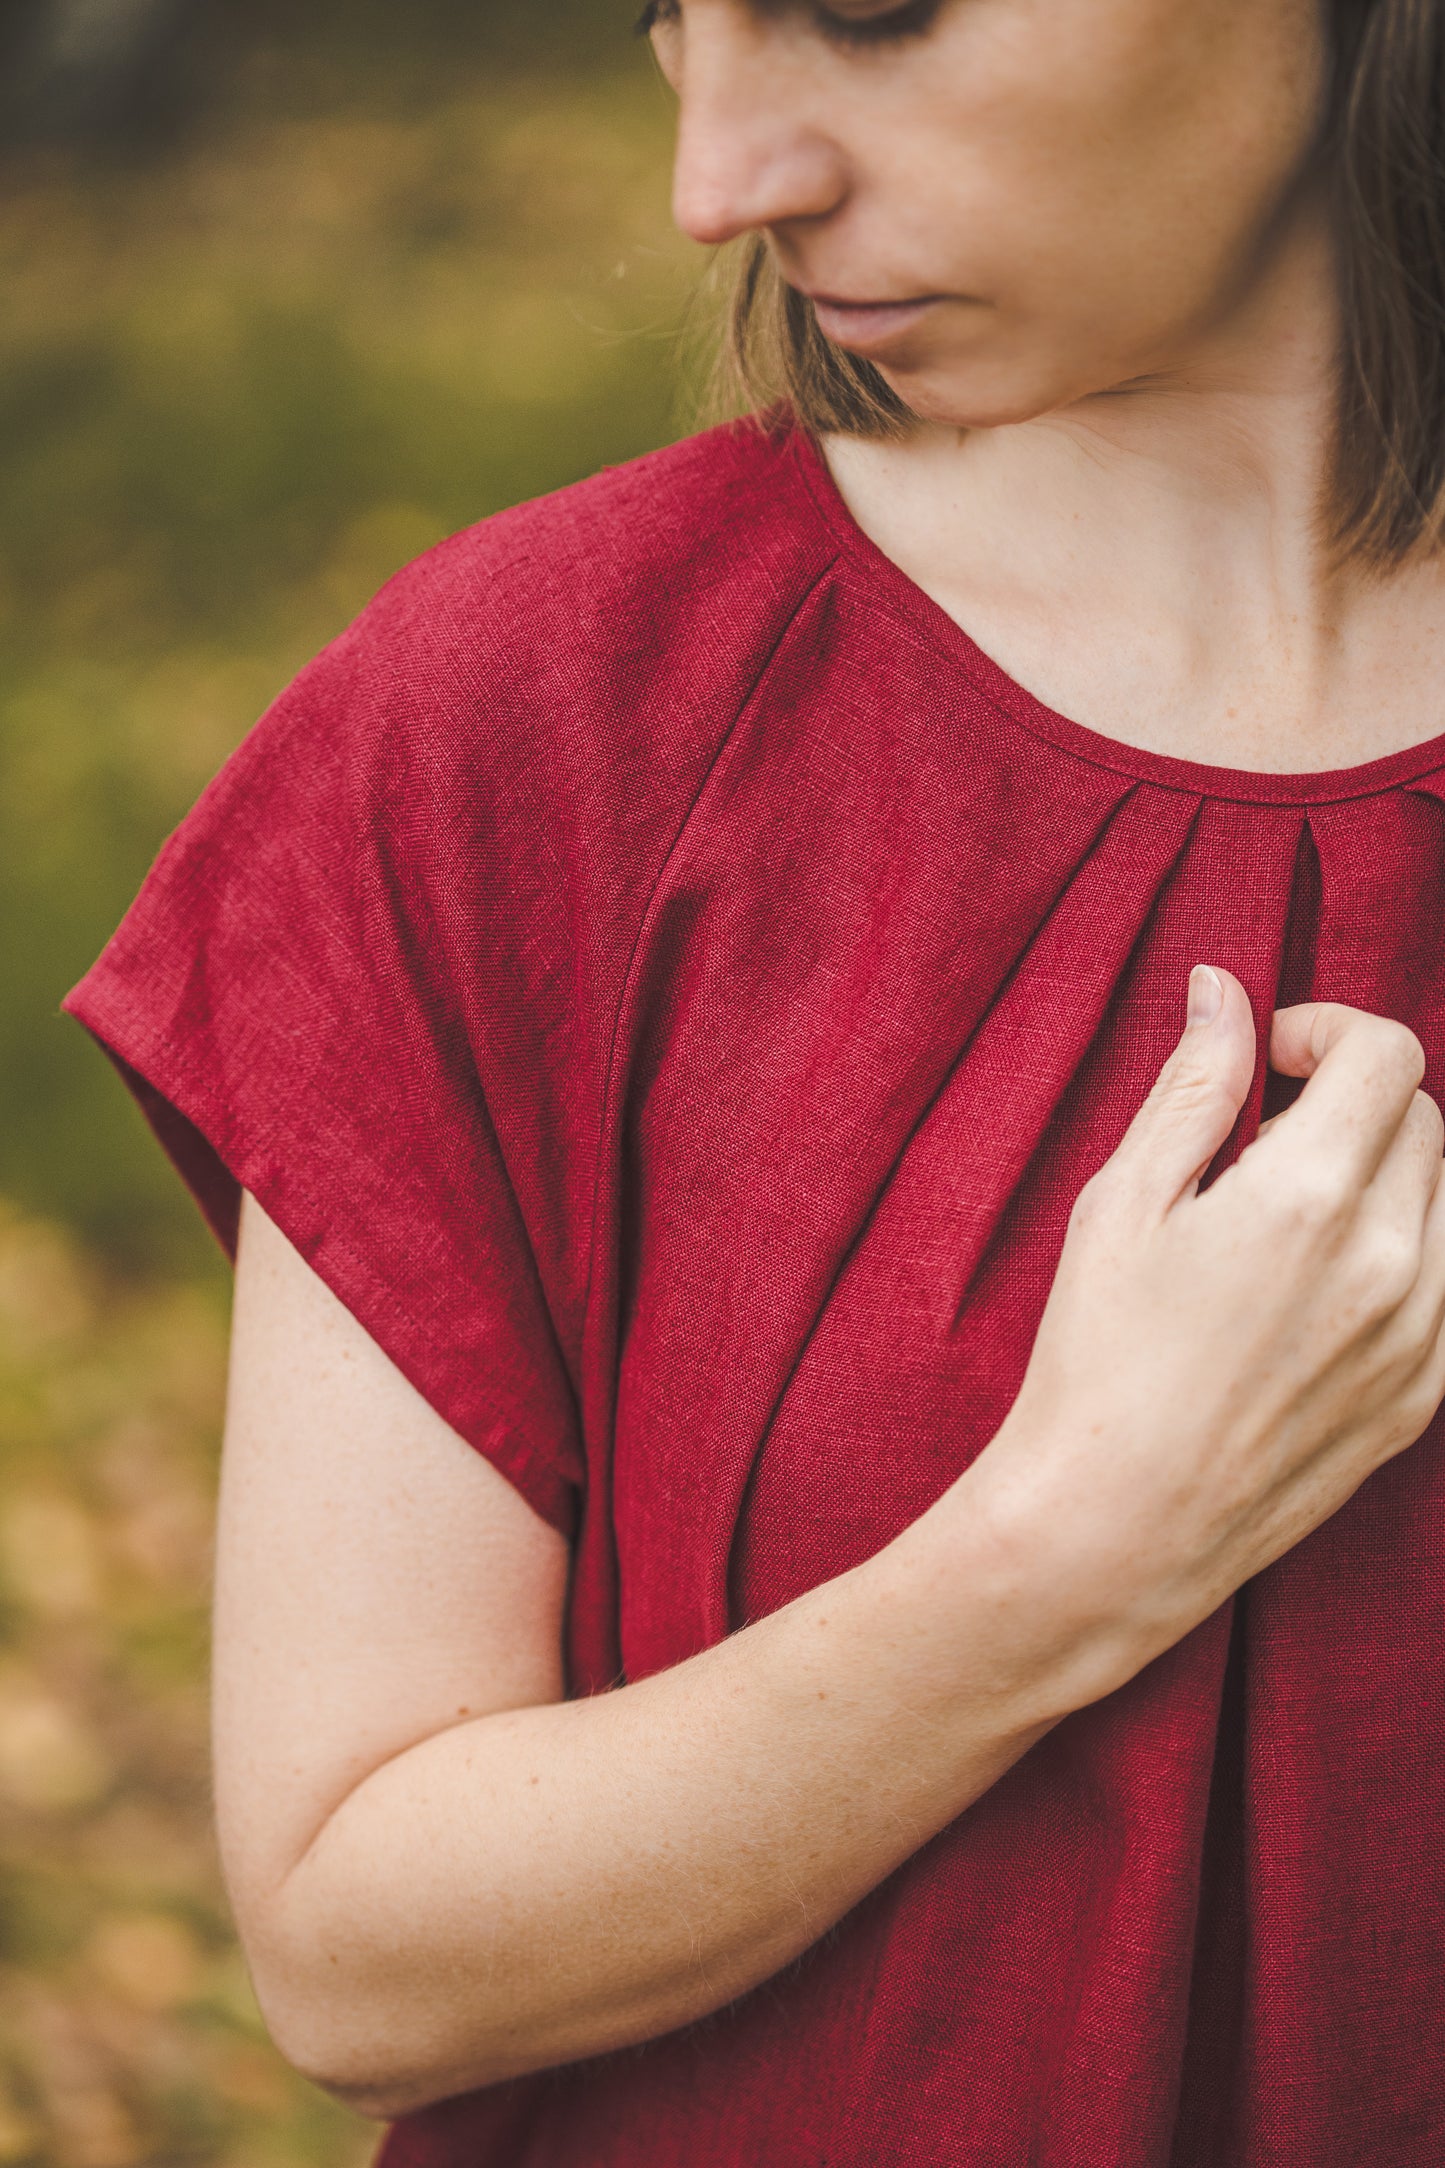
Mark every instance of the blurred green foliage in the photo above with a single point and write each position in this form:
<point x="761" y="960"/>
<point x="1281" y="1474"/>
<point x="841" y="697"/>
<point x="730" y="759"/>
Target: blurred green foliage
<point x="381" y="272"/>
<point x="407" y="268"/>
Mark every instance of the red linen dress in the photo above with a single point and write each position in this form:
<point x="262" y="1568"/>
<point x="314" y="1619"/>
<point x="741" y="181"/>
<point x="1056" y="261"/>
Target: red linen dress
<point x="672" y="985"/>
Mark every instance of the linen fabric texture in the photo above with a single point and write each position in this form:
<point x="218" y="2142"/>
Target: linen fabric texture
<point x="671" y="986"/>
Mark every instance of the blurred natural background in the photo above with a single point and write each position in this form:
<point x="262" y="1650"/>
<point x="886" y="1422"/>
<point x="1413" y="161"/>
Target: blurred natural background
<point x="291" y="288"/>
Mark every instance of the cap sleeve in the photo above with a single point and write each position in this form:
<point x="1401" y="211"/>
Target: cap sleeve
<point x="309" y="999"/>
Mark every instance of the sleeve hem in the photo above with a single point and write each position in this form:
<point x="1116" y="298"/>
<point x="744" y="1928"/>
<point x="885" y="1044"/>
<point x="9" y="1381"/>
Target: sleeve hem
<point x="217" y="1163"/>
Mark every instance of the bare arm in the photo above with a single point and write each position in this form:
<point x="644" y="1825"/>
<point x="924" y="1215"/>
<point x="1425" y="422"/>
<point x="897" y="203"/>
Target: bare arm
<point x="444" y="1874"/>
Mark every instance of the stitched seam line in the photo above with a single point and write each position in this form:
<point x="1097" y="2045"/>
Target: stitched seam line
<point x="670" y="858"/>
<point x="922" y="639"/>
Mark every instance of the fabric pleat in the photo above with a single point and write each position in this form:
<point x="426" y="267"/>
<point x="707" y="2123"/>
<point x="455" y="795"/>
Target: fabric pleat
<point x="671" y="986"/>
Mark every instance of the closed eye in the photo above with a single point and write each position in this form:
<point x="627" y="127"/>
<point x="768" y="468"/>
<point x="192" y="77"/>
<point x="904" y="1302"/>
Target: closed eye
<point x="910" y="19"/>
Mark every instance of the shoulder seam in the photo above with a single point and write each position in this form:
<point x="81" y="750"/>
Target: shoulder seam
<point x="669" y="857"/>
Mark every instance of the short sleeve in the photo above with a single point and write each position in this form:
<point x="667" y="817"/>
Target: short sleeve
<point x="310" y="1000"/>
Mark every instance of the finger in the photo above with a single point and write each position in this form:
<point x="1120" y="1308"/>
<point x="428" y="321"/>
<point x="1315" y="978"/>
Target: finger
<point x="1398" y="1201"/>
<point x="1197" y="1097"/>
<point x="1361" y="1072"/>
<point x="1430" y="1287"/>
<point x="1421" y="1320"/>
<point x="1422" y="1191"/>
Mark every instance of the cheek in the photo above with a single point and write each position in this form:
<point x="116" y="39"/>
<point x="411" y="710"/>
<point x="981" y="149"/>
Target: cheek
<point x="1035" y="108"/>
<point x="1100" y="204"/>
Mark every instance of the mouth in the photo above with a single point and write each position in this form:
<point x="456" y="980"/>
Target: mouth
<point x="869" y="326"/>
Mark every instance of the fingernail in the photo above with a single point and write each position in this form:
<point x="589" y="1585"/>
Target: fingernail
<point x="1206" y="995"/>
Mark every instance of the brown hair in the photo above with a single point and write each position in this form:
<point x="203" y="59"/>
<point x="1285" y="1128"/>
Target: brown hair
<point x="1384" y="150"/>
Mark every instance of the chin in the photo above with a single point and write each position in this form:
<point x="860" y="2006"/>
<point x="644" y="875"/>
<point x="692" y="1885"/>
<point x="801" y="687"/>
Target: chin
<point x="968" y="396"/>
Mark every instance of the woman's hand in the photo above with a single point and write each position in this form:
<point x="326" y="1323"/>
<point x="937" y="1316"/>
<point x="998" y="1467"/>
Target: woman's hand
<point x="1215" y="1373"/>
<point x="445" y="1875"/>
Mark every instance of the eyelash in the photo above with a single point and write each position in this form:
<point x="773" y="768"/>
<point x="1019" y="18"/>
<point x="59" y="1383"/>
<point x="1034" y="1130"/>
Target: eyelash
<point x="908" y="21"/>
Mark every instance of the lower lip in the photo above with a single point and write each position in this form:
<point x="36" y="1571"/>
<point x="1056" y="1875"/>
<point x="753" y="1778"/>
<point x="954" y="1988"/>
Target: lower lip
<point x="875" y="325"/>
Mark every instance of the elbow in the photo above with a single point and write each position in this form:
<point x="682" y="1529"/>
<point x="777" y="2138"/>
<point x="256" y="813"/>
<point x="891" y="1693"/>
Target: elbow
<point x="354" y="2038"/>
<point x="335" y="2043"/>
<point x="343" y="2068"/>
<point x="321" y="2031"/>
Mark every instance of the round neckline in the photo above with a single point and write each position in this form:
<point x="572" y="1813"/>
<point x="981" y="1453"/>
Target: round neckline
<point x="1266" y="786"/>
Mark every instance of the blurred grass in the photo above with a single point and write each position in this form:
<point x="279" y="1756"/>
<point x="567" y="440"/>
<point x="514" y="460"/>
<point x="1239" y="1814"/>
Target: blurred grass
<point x="398" y="270"/>
<point x="238" y="386"/>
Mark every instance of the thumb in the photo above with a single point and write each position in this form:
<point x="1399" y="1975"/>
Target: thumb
<point x="1196" y="1100"/>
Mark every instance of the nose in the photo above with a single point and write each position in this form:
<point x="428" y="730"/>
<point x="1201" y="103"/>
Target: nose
<point x="747" y="154"/>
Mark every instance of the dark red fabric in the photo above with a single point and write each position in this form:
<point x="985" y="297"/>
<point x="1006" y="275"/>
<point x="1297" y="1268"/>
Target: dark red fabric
<point x="672" y="985"/>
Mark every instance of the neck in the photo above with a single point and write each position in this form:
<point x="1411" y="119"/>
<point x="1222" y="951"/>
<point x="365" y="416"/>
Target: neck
<point x="1155" y="560"/>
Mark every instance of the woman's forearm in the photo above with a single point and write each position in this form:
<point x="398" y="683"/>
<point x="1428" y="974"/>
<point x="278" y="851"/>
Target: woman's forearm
<point x="1215" y="1373"/>
<point x="547" y="1884"/>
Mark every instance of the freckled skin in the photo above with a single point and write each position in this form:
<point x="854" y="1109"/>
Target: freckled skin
<point x="1119" y="216"/>
<point x="1096" y="185"/>
<point x="1090" y="179"/>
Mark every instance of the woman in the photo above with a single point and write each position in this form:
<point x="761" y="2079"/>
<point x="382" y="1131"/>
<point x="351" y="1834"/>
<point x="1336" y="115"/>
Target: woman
<point x="804" y="1497"/>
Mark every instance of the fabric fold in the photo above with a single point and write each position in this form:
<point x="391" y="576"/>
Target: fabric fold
<point x="672" y="985"/>
<point x="786" y="1031"/>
